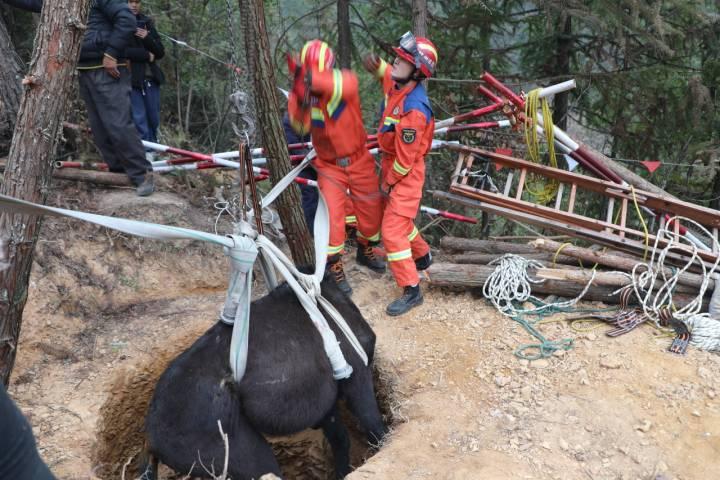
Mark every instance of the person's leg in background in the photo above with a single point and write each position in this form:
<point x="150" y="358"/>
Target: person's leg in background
<point x="152" y="109"/>
<point x="99" y="133"/>
<point x="368" y="208"/>
<point x="333" y="183"/>
<point x="111" y="98"/>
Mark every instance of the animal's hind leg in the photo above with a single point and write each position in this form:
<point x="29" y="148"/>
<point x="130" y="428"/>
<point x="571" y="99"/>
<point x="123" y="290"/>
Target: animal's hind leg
<point x="337" y="436"/>
<point x="149" y="468"/>
<point x="359" y="393"/>
<point x="250" y="455"/>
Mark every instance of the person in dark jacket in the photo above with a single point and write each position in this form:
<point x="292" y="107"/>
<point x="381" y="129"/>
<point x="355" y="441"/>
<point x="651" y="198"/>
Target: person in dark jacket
<point x="104" y="80"/>
<point x="144" y="51"/>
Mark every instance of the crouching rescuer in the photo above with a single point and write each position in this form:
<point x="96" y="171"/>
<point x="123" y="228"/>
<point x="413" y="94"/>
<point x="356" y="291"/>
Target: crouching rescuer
<point x="405" y="136"/>
<point x="325" y="102"/>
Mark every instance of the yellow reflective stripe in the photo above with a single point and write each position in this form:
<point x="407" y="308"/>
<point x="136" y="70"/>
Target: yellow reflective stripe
<point x="391" y="121"/>
<point x="400" y="169"/>
<point x="397" y="256"/>
<point x="413" y="234"/>
<point x="337" y="92"/>
<point x="304" y="51"/>
<point x="429" y="47"/>
<point x="323" y="51"/>
<point x="334" y="250"/>
<point x="351" y="219"/>
<point x="374" y="238"/>
<point x="317" y="114"/>
<point x="381" y="69"/>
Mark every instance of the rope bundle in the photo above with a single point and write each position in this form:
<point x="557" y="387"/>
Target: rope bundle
<point x="543" y="192"/>
<point x="704" y="328"/>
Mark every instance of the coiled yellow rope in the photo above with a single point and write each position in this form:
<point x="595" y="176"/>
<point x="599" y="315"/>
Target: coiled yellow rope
<point x="543" y="191"/>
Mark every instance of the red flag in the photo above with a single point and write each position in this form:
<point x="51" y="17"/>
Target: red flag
<point x="651" y="165"/>
<point x="502" y="151"/>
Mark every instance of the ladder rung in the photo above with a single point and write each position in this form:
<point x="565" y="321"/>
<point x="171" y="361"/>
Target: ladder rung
<point x="571" y="201"/>
<point x="508" y="184"/>
<point x="558" y="198"/>
<point x="609" y="216"/>
<point x="521" y="184"/>
<point x="623" y="216"/>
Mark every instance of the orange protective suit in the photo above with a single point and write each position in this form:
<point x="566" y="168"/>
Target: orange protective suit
<point x="334" y="120"/>
<point x="405" y="135"/>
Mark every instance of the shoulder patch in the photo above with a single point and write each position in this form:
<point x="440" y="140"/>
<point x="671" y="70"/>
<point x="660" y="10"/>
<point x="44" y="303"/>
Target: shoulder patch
<point x="408" y="135"/>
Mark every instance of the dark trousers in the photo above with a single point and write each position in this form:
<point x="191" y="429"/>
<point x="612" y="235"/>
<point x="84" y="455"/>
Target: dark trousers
<point x="108" y="104"/>
<point x="146" y="109"/>
<point x="309" y="198"/>
<point x="19" y="457"/>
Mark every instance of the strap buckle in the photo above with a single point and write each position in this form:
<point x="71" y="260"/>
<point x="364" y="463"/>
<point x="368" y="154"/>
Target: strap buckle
<point x="343" y="162"/>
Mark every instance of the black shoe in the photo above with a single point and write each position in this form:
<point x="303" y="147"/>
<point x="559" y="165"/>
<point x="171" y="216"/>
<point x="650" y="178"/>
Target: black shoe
<point x="424" y="262"/>
<point x="147" y="187"/>
<point x="338" y="274"/>
<point x="411" y="297"/>
<point x="366" y="256"/>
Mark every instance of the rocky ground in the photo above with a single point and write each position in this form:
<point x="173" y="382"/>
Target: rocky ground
<point x="462" y="404"/>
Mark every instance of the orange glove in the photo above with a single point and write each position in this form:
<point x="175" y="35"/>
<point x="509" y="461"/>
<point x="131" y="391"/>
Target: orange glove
<point x="372" y="62"/>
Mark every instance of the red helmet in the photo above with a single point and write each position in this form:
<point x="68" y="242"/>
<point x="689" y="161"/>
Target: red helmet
<point x="317" y="54"/>
<point x="419" y="51"/>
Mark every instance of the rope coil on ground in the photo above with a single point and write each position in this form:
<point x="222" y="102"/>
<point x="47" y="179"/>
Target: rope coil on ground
<point x="510" y="283"/>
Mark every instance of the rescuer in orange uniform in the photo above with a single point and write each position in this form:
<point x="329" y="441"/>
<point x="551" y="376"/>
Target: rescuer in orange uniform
<point x="405" y="135"/>
<point x="325" y="102"/>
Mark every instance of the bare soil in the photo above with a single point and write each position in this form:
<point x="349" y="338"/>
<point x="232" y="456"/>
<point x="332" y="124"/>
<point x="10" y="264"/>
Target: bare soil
<point x="106" y="311"/>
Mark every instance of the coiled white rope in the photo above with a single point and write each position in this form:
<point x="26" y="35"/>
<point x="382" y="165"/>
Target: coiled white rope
<point x="704" y="327"/>
<point x="510" y="282"/>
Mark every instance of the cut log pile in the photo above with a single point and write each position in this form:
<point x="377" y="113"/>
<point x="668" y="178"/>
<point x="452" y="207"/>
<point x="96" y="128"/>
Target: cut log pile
<point x="466" y="263"/>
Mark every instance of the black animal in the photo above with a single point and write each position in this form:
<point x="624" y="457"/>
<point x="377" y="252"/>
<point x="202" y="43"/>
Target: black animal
<point x="288" y="386"/>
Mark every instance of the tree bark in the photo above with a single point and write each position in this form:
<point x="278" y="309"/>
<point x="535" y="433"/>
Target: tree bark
<point x="485" y="246"/>
<point x="562" y="68"/>
<point x="257" y="50"/>
<point x="10" y="91"/>
<point x="29" y="167"/>
<point x="344" y="34"/>
<point x="420" y="14"/>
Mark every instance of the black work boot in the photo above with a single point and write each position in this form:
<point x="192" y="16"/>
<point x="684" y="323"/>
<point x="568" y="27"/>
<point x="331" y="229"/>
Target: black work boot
<point x="366" y="256"/>
<point x="424" y="262"/>
<point x="411" y="297"/>
<point x="338" y="274"/>
<point x="147" y="186"/>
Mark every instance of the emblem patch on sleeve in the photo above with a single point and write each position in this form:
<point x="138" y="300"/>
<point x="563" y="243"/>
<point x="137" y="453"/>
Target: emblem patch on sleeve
<point x="408" y="135"/>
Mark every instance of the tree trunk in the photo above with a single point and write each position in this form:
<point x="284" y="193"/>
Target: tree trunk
<point x="485" y="258"/>
<point x="344" y="34"/>
<point x="562" y="67"/>
<point x="626" y="264"/>
<point x="257" y="50"/>
<point x="419" y="12"/>
<point x="10" y="75"/>
<point x="29" y="167"/>
<point x="485" y="246"/>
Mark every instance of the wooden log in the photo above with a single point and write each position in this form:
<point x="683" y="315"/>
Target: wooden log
<point x="475" y="276"/>
<point x="485" y="258"/>
<point x="91" y="176"/>
<point x="484" y="246"/>
<point x="605" y="279"/>
<point x="614" y="261"/>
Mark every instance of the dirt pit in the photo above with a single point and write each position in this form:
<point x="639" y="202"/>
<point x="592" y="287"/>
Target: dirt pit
<point x="103" y="306"/>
